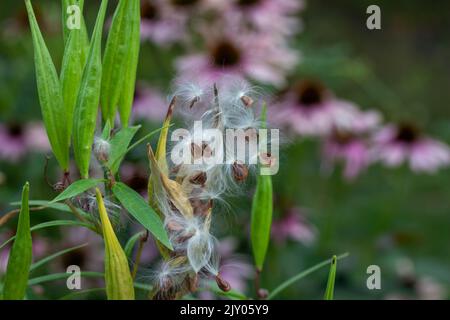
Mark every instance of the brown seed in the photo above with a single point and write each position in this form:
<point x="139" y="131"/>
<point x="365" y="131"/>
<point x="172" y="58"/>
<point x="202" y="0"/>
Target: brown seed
<point x="198" y="178"/>
<point x="194" y="101"/>
<point x="240" y="171"/>
<point x="222" y="284"/>
<point x="247" y="101"/>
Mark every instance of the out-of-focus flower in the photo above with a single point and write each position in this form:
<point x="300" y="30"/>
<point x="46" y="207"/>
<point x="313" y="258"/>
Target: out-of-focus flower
<point x="12" y="142"/>
<point x="395" y="145"/>
<point x="350" y="149"/>
<point x="259" y="57"/>
<point x="293" y="225"/>
<point x="16" y="140"/>
<point x="36" y="137"/>
<point x="89" y="257"/>
<point x="149" y="104"/>
<point x="274" y="16"/>
<point x="429" y="289"/>
<point x="309" y="109"/>
<point x="235" y="269"/>
<point x="162" y="22"/>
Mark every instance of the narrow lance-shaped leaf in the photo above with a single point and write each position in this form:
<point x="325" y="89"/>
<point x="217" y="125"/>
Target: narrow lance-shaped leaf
<point x="118" y="52"/>
<point x="119" y="284"/>
<point x="127" y="96"/>
<point x="86" y="108"/>
<point x="329" y="292"/>
<point x="21" y="254"/>
<point x="77" y="188"/>
<point x="74" y="59"/>
<point x="141" y="211"/>
<point x="261" y="217"/>
<point x="119" y="146"/>
<point x="50" y="94"/>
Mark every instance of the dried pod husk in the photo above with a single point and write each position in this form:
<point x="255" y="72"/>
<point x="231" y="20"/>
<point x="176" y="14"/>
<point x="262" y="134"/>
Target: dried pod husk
<point x="240" y="171"/>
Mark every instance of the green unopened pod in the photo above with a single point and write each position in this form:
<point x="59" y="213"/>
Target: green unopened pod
<point x="19" y="261"/>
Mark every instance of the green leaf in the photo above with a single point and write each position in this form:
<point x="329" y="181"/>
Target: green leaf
<point x="77" y="188"/>
<point x="141" y="211"/>
<point x="46" y="204"/>
<point x="60" y="276"/>
<point x="131" y="243"/>
<point x="118" y="280"/>
<point x="120" y="59"/>
<point x="329" y="292"/>
<point x="50" y="94"/>
<point x="86" y="108"/>
<point x="127" y="95"/>
<point x="49" y="258"/>
<point x="55" y="223"/>
<point x="119" y="146"/>
<point x="106" y="133"/>
<point x="21" y="254"/>
<point x="74" y="59"/>
<point x="302" y="274"/>
<point x="261" y="216"/>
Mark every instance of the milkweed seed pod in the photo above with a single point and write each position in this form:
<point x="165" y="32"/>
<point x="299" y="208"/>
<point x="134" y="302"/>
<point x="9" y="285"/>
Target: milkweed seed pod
<point x="185" y="192"/>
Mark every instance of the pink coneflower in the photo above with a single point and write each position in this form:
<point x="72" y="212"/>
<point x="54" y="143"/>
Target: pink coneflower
<point x="161" y="23"/>
<point x="36" y="137"/>
<point x="256" y="56"/>
<point x="149" y="104"/>
<point x="395" y="145"/>
<point x="12" y="142"/>
<point x="293" y="225"/>
<point x="348" y="148"/>
<point x="275" y="16"/>
<point x="309" y="109"/>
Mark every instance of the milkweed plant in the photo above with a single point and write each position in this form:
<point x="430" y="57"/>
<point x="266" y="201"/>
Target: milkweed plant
<point x="189" y="175"/>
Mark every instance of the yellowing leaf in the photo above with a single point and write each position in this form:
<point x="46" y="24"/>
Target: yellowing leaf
<point x="119" y="284"/>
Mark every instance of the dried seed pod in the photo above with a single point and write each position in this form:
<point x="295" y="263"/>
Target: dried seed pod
<point x="240" y="171"/>
<point x="247" y="101"/>
<point x="222" y="283"/>
<point x="198" y="178"/>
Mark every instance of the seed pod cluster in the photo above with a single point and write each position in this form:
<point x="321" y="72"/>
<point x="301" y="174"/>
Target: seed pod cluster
<point x="185" y="193"/>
